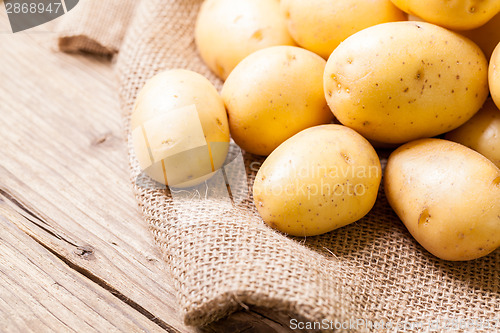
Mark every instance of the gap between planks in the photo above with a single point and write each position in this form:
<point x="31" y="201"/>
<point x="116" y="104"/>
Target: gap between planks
<point x="20" y="215"/>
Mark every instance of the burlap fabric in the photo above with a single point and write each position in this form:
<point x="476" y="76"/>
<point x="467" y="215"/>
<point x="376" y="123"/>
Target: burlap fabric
<point x="96" y="26"/>
<point x="223" y="260"/>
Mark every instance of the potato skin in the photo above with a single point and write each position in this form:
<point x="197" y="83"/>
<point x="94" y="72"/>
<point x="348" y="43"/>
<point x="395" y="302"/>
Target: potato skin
<point x="227" y="31"/>
<point x="481" y="132"/>
<point x="486" y="36"/>
<point x="400" y="81"/>
<point x="179" y="110"/>
<point x="321" y="179"/>
<point x="494" y="75"/>
<point x="448" y="197"/>
<point x="458" y="14"/>
<point x="320" y="25"/>
<point x="273" y="94"/>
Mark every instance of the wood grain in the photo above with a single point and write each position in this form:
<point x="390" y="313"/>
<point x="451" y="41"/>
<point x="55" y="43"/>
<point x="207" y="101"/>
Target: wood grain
<point x="75" y="254"/>
<point x="60" y="300"/>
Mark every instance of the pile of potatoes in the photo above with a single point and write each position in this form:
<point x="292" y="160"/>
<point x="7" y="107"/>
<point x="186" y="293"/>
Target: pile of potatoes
<point x="315" y="86"/>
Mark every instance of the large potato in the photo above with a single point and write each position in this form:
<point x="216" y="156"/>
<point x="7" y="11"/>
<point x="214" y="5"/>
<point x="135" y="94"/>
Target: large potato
<point x="180" y="131"/>
<point x="320" y="25"/>
<point x="228" y="30"/>
<point x="318" y="180"/>
<point x="456" y="14"/>
<point x="273" y="94"/>
<point x="494" y="75"/>
<point x="447" y="195"/>
<point x="481" y="132"/>
<point x="401" y="81"/>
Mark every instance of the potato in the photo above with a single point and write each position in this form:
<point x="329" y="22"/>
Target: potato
<point x="227" y="31"/>
<point x="320" y="25"/>
<point x="457" y="14"/>
<point x="494" y="75"/>
<point x="447" y="195"/>
<point x="321" y="179"/>
<point x="180" y="132"/>
<point x="481" y="132"/>
<point x="273" y="94"/>
<point x="486" y="36"/>
<point x="400" y="81"/>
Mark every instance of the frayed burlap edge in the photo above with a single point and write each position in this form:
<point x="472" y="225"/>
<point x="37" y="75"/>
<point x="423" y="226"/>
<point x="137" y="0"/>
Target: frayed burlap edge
<point x="96" y="26"/>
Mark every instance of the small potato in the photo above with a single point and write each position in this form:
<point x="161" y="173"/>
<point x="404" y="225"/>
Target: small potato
<point x="400" y="81"/>
<point x="481" y="132"/>
<point x="321" y="179"/>
<point x="494" y="75"/>
<point x="457" y="14"/>
<point x="273" y="94"/>
<point x="447" y="195"/>
<point x="180" y="132"/>
<point x="229" y="30"/>
<point x="320" y="25"/>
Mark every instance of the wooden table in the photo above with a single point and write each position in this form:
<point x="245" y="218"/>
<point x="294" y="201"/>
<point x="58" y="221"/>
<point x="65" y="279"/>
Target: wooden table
<point x="75" y="253"/>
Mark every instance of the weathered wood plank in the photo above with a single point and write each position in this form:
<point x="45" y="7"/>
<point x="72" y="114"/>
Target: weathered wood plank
<point x="61" y="300"/>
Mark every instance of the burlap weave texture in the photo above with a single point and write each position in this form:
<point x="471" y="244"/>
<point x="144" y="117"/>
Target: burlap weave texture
<point x="222" y="259"/>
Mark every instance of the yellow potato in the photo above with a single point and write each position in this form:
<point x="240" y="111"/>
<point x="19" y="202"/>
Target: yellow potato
<point x="400" y="81"/>
<point x="494" y="75"/>
<point x="321" y="179"/>
<point x="320" y="25"/>
<point x="481" y="132"/>
<point x="273" y="94"/>
<point x="447" y="195"/>
<point x="457" y="14"/>
<point x="228" y="30"/>
<point x="179" y="126"/>
<point x="486" y="36"/>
